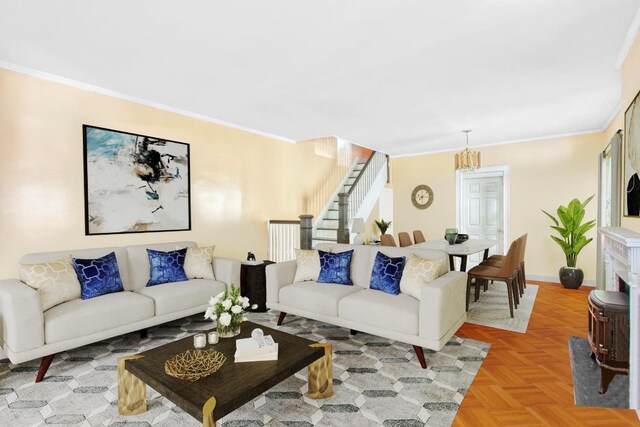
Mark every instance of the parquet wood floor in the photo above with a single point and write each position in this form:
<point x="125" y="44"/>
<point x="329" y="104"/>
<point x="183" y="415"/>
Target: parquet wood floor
<point x="526" y="378"/>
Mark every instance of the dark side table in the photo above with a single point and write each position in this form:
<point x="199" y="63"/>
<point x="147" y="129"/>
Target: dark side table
<point x="253" y="283"/>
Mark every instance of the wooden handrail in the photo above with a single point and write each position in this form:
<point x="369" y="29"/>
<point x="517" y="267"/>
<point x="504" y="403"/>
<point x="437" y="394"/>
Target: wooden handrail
<point x="361" y="173"/>
<point x="284" y="221"/>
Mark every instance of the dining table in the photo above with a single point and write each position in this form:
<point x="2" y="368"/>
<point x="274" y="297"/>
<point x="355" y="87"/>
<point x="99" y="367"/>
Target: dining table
<point x="461" y="250"/>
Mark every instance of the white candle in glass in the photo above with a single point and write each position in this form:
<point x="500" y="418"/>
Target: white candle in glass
<point x="199" y="340"/>
<point x="213" y="337"/>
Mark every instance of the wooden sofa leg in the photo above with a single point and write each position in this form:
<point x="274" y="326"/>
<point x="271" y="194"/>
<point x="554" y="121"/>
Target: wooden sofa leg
<point x="420" y="354"/>
<point x="44" y="366"/>
<point x="143" y="333"/>
<point x="353" y="332"/>
<point x="281" y="318"/>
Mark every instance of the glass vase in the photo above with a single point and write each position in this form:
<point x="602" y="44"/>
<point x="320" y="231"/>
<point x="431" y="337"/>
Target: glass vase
<point x="228" y="331"/>
<point x="451" y="234"/>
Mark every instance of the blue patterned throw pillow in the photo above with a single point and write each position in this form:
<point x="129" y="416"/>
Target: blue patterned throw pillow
<point x="335" y="268"/>
<point x="166" y="267"/>
<point x="98" y="276"/>
<point x="386" y="274"/>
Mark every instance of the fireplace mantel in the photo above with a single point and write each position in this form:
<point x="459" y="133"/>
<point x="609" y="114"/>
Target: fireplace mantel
<point x="621" y="253"/>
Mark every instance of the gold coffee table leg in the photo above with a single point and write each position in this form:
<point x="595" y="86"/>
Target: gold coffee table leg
<point x="207" y="413"/>
<point x="132" y="392"/>
<point x="320" y="374"/>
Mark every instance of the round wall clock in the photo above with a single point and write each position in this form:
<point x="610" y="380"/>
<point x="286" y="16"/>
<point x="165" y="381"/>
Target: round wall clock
<point x="422" y="196"/>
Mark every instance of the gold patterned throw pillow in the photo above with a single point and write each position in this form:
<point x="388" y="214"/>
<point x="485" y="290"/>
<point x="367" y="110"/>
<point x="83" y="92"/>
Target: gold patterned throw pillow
<point x="55" y="281"/>
<point x="308" y="265"/>
<point x="198" y="263"/>
<point x="417" y="273"/>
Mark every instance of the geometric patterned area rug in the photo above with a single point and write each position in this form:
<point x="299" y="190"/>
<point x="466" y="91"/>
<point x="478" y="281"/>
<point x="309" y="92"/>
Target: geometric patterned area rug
<point x="376" y="382"/>
<point x="492" y="308"/>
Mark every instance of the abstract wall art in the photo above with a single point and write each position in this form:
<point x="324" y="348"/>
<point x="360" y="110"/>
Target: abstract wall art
<point x="135" y="183"/>
<point x="632" y="159"/>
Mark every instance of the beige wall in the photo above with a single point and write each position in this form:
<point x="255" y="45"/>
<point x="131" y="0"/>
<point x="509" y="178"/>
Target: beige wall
<point x="239" y="180"/>
<point x="543" y="174"/>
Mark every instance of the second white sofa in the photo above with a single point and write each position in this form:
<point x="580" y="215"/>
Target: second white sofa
<point x="429" y="322"/>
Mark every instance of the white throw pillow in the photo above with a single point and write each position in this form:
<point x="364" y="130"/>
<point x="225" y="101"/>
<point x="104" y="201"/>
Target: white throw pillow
<point x="198" y="263"/>
<point x="417" y="273"/>
<point x="55" y="281"/>
<point x="308" y="265"/>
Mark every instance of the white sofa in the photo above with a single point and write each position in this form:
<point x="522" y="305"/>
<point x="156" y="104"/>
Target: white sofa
<point x="429" y="322"/>
<point x="28" y="333"/>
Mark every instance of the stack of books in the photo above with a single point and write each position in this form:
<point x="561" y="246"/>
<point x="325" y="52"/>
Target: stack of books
<point x="256" y="349"/>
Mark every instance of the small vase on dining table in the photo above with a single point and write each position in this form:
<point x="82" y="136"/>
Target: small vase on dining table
<point x="451" y="234"/>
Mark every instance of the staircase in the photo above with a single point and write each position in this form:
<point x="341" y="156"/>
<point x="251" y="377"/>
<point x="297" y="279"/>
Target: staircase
<point x="360" y="187"/>
<point x="326" y="227"/>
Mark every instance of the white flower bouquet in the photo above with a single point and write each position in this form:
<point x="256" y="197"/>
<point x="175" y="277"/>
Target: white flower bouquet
<point x="227" y="310"/>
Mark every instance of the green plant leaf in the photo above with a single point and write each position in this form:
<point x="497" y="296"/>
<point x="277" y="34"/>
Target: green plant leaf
<point x="584" y="228"/>
<point x="553" y="218"/>
<point x="565" y="218"/>
<point x="581" y="244"/>
<point x="563" y="231"/>
<point x="576" y="211"/>
<point x="564" y="245"/>
<point x="588" y="200"/>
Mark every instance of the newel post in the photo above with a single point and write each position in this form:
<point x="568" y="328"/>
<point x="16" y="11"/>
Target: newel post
<point x="306" y="231"/>
<point x="343" y="218"/>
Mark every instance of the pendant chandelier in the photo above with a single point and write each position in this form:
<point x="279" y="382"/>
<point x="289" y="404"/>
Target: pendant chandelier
<point x="467" y="160"/>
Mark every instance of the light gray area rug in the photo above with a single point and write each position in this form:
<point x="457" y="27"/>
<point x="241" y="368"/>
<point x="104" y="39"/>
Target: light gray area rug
<point x="492" y="308"/>
<point x="586" y="379"/>
<point x="376" y="382"/>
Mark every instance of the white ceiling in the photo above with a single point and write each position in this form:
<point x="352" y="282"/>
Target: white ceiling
<point x="400" y="76"/>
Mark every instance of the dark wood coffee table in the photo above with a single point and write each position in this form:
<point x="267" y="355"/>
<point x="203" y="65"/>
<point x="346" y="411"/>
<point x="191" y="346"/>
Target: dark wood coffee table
<point x="233" y="385"/>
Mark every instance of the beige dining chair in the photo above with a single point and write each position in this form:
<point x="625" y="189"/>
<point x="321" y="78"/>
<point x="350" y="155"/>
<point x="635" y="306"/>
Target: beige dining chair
<point x="387" y="240"/>
<point x="507" y="272"/>
<point x="418" y="237"/>
<point x="404" y="239"/>
<point x="497" y="260"/>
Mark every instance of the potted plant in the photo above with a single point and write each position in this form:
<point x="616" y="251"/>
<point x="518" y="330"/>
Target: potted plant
<point x="572" y="239"/>
<point x="383" y="226"/>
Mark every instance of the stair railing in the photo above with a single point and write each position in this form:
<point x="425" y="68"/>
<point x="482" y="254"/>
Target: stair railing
<point x="287" y="235"/>
<point x="349" y="203"/>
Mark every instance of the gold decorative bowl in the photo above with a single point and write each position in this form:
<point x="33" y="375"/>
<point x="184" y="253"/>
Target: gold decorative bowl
<point x="192" y="365"/>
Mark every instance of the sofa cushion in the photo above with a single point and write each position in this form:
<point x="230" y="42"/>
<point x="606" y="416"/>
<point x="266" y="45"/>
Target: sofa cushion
<point x="198" y="264"/>
<point x="177" y="296"/>
<point x="55" y="281"/>
<point x="417" y="273"/>
<point x="335" y="268"/>
<point x="386" y="273"/>
<point x="321" y="298"/>
<point x="79" y="317"/>
<point x="139" y="261"/>
<point x="399" y="313"/>
<point x="166" y="267"/>
<point x="307" y="265"/>
<point x="361" y="260"/>
<point x="98" y="276"/>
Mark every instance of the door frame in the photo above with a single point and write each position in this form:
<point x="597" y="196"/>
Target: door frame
<point x="487" y="172"/>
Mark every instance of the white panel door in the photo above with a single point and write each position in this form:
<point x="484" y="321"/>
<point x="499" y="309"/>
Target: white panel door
<point x="482" y="212"/>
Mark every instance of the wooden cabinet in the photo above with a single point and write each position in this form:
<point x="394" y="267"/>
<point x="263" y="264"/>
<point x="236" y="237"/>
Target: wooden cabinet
<point x="253" y="283"/>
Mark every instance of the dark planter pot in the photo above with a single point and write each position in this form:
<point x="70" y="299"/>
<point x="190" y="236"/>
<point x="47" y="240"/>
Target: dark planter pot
<point x="571" y="277"/>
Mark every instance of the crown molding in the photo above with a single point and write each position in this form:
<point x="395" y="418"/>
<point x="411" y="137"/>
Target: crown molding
<point x="628" y="40"/>
<point x="493" y="144"/>
<point x="107" y="92"/>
